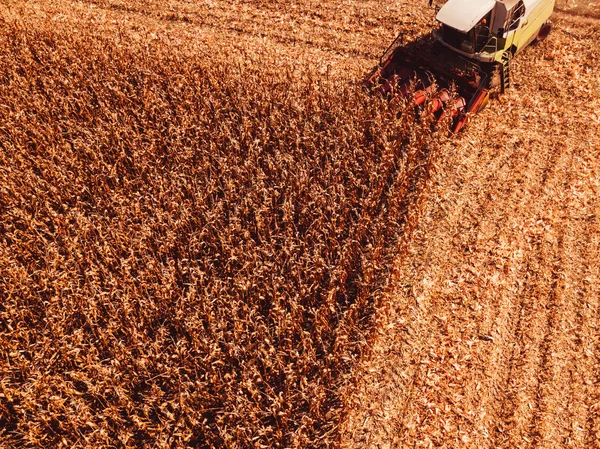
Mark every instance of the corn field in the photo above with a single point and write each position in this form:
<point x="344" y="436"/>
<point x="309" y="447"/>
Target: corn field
<point x="190" y="250"/>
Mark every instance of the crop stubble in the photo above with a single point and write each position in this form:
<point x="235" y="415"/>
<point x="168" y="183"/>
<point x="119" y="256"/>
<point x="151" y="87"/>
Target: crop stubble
<point x="491" y="335"/>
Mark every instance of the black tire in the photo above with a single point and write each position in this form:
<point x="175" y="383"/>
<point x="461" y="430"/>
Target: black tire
<point x="544" y="31"/>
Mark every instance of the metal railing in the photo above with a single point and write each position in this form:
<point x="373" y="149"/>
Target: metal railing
<point x="491" y="46"/>
<point x="486" y="41"/>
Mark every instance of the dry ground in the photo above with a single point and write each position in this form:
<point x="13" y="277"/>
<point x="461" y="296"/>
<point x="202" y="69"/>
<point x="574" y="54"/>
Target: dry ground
<point x="489" y="333"/>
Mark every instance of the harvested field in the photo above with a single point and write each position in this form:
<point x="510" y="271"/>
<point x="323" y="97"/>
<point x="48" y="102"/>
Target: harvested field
<point x="210" y="237"/>
<point x="490" y="335"/>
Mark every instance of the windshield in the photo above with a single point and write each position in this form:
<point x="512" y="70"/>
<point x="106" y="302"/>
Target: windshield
<point x="472" y="41"/>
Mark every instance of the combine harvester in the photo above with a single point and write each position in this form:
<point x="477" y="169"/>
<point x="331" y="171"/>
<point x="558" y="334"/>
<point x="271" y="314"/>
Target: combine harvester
<point x="458" y="66"/>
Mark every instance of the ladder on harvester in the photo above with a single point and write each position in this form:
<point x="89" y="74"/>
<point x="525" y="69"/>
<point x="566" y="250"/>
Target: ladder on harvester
<point x="506" y="57"/>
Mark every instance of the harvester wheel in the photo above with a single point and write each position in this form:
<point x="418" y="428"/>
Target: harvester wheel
<point x="544" y="31"/>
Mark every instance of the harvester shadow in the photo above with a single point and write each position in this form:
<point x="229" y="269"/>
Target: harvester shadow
<point x="431" y="78"/>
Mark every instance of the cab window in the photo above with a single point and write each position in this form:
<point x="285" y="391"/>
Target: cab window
<point x="514" y="16"/>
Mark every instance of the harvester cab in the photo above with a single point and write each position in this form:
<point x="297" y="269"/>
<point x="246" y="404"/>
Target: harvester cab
<point x="485" y="30"/>
<point x="465" y="59"/>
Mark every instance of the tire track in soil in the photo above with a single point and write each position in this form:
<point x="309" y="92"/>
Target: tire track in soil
<point x="589" y="306"/>
<point x="512" y="321"/>
<point x="586" y="312"/>
<point x="482" y="208"/>
<point x="554" y="421"/>
<point x="496" y="364"/>
<point x="543" y="389"/>
<point x="578" y="322"/>
<point x="496" y="160"/>
<point x="420" y="334"/>
<point x="551" y="418"/>
<point x="506" y="408"/>
<point x="592" y="357"/>
<point x="506" y="321"/>
<point x="530" y="363"/>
